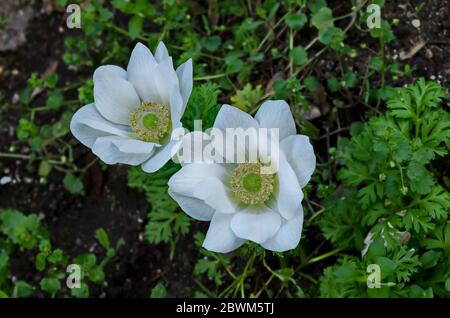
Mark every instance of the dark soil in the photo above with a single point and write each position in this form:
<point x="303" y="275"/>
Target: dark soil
<point x="121" y="211"/>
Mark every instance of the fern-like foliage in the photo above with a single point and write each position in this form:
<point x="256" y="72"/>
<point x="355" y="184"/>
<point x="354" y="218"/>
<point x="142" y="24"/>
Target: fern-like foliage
<point x="165" y="221"/>
<point x="391" y="186"/>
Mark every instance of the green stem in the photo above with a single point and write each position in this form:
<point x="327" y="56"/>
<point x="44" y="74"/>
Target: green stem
<point x="315" y="215"/>
<point x="209" y="77"/>
<point x="323" y="256"/>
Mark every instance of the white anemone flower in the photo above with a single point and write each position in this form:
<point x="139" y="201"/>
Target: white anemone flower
<point x="241" y="202"/>
<point x="135" y="110"/>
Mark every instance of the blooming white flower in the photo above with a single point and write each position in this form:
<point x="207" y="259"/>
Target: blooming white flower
<point x="241" y="202"/>
<point x="135" y="111"/>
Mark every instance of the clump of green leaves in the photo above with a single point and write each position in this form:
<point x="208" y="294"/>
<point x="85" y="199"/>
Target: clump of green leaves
<point x="391" y="188"/>
<point x="247" y="97"/>
<point x="166" y="223"/>
<point x="24" y="232"/>
<point x="202" y="106"/>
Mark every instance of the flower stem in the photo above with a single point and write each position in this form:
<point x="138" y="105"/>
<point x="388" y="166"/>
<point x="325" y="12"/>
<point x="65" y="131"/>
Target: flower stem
<point x="323" y="256"/>
<point x="208" y="77"/>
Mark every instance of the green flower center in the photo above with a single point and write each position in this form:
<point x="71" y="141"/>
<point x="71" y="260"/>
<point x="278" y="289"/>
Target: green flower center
<point x="151" y="121"/>
<point x="252" y="182"/>
<point x="249" y="185"/>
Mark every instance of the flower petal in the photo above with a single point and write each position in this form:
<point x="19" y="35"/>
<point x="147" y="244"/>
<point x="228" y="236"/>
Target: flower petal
<point x="116" y="70"/>
<point x="235" y="135"/>
<point x="192" y="175"/>
<point x="141" y="73"/>
<point x="256" y="226"/>
<point x="161" y="52"/>
<point x="87" y="125"/>
<point x="115" y="97"/>
<point x="176" y="106"/>
<point x="185" y="73"/>
<point x="220" y="238"/>
<point x="161" y="156"/>
<point x="193" y="207"/>
<point x="289" y="195"/>
<point x="214" y="193"/>
<point x="166" y="80"/>
<point x="194" y="149"/>
<point x="114" y="149"/>
<point x="233" y="117"/>
<point x="300" y="155"/>
<point x="288" y="236"/>
<point x="276" y="114"/>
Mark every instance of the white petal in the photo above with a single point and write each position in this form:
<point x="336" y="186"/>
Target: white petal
<point x="232" y="117"/>
<point x="238" y="132"/>
<point x="289" y="195"/>
<point x="256" y="226"/>
<point x="185" y="73"/>
<point x="188" y="178"/>
<point x="195" y="208"/>
<point x="161" y="52"/>
<point x="220" y="238"/>
<point x="141" y="72"/>
<point x="166" y="80"/>
<point x="300" y="155"/>
<point x="113" y="149"/>
<point x="176" y="106"/>
<point x="161" y="156"/>
<point x="116" y="70"/>
<point x="288" y="236"/>
<point x="87" y="125"/>
<point x="115" y="97"/>
<point x="214" y="193"/>
<point x="276" y="114"/>
<point x="194" y="149"/>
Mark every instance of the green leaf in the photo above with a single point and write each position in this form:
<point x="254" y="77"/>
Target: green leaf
<point x="44" y="168"/>
<point x="430" y="258"/>
<point x="385" y="32"/>
<point x="211" y="43"/>
<point x="55" y="100"/>
<point x="135" y="26"/>
<point x="73" y="184"/>
<point x="376" y="250"/>
<point x="40" y="261"/>
<point x="211" y="268"/>
<point x="56" y="257"/>
<point x="159" y="291"/>
<point x="298" y="55"/>
<point x="82" y="292"/>
<point x="50" y="285"/>
<point x="296" y="21"/>
<point x="332" y="36"/>
<point x="102" y="238"/>
<point x="311" y="83"/>
<point x="315" y="5"/>
<point x="350" y="80"/>
<point x="22" y="289"/>
<point x="333" y="84"/>
<point x="247" y="97"/>
<point x="51" y="80"/>
<point x="323" y="18"/>
<point x="96" y="275"/>
<point x="202" y="105"/>
<point x="387" y="266"/>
